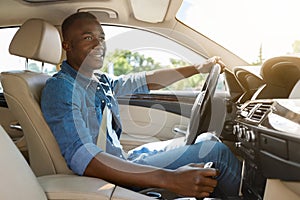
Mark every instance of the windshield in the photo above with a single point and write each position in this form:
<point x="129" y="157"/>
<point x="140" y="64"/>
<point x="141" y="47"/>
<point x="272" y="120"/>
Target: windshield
<point x="255" y="30"/>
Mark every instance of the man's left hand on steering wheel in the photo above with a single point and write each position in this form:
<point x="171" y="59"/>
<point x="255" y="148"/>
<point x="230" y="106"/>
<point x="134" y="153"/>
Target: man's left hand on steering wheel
<point x="207" y="65"/>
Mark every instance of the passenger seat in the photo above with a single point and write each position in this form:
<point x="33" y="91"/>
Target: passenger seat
<point x="17" y="179"/>
<point x="19" y="182"/>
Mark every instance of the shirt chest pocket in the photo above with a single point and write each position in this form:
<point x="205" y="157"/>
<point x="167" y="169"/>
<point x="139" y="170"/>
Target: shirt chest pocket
<point x="93" y="118"/>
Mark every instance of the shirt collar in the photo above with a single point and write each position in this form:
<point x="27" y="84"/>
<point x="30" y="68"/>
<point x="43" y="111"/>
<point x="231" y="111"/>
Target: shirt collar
<point x="80" y="78"/>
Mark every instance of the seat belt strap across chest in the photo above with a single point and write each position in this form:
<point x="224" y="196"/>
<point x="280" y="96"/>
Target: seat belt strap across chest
<point x="102" y="136"/>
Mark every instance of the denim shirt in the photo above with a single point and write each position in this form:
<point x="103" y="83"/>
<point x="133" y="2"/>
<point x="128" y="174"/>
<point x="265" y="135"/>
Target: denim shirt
<point x="72" y="105"/>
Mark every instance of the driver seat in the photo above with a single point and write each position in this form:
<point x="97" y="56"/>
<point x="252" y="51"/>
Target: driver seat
<point x="39" y="40"/>
<point x="22" y="91"/>
<point x="24" y="102"/>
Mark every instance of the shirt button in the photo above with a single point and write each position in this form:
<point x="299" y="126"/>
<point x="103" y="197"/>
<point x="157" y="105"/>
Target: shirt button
<point x="98" y="88"/>
<point x="102" y="101"/>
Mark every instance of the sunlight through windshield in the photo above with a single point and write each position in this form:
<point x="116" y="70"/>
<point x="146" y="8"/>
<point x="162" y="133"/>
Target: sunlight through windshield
<point x="255" y="30"/>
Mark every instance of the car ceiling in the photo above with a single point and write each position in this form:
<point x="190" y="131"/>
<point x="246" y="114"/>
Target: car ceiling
<point x="159" y="16"/>
<point x="128" y="11"/>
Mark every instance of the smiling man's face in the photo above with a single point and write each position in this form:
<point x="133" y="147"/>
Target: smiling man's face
<point x="85" y="45"/>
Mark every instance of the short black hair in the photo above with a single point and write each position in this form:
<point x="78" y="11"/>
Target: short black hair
<point x="72" y="18"/>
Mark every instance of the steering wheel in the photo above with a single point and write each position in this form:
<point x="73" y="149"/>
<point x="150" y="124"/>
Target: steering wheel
<point x="201" y="110"/>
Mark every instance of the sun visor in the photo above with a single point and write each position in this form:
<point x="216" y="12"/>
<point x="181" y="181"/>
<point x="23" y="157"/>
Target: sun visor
<point x="152" y="11"/>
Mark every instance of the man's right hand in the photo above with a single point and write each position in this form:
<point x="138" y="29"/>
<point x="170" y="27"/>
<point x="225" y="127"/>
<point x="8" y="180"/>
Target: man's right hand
<point x="192" y="180"/>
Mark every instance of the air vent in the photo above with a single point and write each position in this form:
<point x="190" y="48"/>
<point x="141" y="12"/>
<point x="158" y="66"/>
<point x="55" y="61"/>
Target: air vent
<point x="259" y="111"/>
<point x="255" y="111"/>
<point x="250" y="106"/>
<point x="248" y="110"/>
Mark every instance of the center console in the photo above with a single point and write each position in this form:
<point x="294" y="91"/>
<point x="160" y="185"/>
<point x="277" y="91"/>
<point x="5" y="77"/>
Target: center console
<point x="268" y="135"/>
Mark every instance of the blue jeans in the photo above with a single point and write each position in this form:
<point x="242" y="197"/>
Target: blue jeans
<point x="202" y="152"/>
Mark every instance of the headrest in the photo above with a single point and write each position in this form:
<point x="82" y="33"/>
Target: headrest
<point x="283" y="71"/>
<point x="38" y="40"/>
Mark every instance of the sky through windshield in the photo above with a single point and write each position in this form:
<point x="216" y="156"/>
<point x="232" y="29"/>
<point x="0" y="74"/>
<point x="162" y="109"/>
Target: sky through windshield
<point x="243" y="26"/>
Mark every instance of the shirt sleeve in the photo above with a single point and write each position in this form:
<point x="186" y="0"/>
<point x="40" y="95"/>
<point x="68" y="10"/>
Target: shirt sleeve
<point x="83" y="156"/>
<point x="61" y="110"/>
<point x="130" y="84"/>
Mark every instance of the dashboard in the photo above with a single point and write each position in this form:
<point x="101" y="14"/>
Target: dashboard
<point x="249" y="80"/>
<point x="268" y="135"/>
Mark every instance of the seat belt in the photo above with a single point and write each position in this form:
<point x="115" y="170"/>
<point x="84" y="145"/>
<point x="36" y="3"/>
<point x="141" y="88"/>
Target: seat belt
<point x="106" y="126"/>
<point x="102" y="136"/>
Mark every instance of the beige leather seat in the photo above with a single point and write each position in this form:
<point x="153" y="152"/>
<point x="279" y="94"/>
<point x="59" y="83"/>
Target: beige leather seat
<point x="19" y="182"/>
<point x="22" y="90"/>
<point x="39" y="40"/>
<point x="17" y="179"/>
<point x="280" y="75"/>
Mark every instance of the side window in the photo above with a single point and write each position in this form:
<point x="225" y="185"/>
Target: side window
<point x="11" y="62"/>
<point x="40" y="67"/>
<point x="132" y="50"/>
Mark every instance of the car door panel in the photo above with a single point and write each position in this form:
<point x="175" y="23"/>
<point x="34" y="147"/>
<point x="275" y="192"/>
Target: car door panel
<point x="152" y="117"/>
<point x="144" y="125"/>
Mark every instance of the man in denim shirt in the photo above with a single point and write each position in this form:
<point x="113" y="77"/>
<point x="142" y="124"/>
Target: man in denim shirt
<point x="73" y="101"/>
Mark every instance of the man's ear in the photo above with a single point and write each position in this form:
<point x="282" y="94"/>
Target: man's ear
<point x="66" y="45"/>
